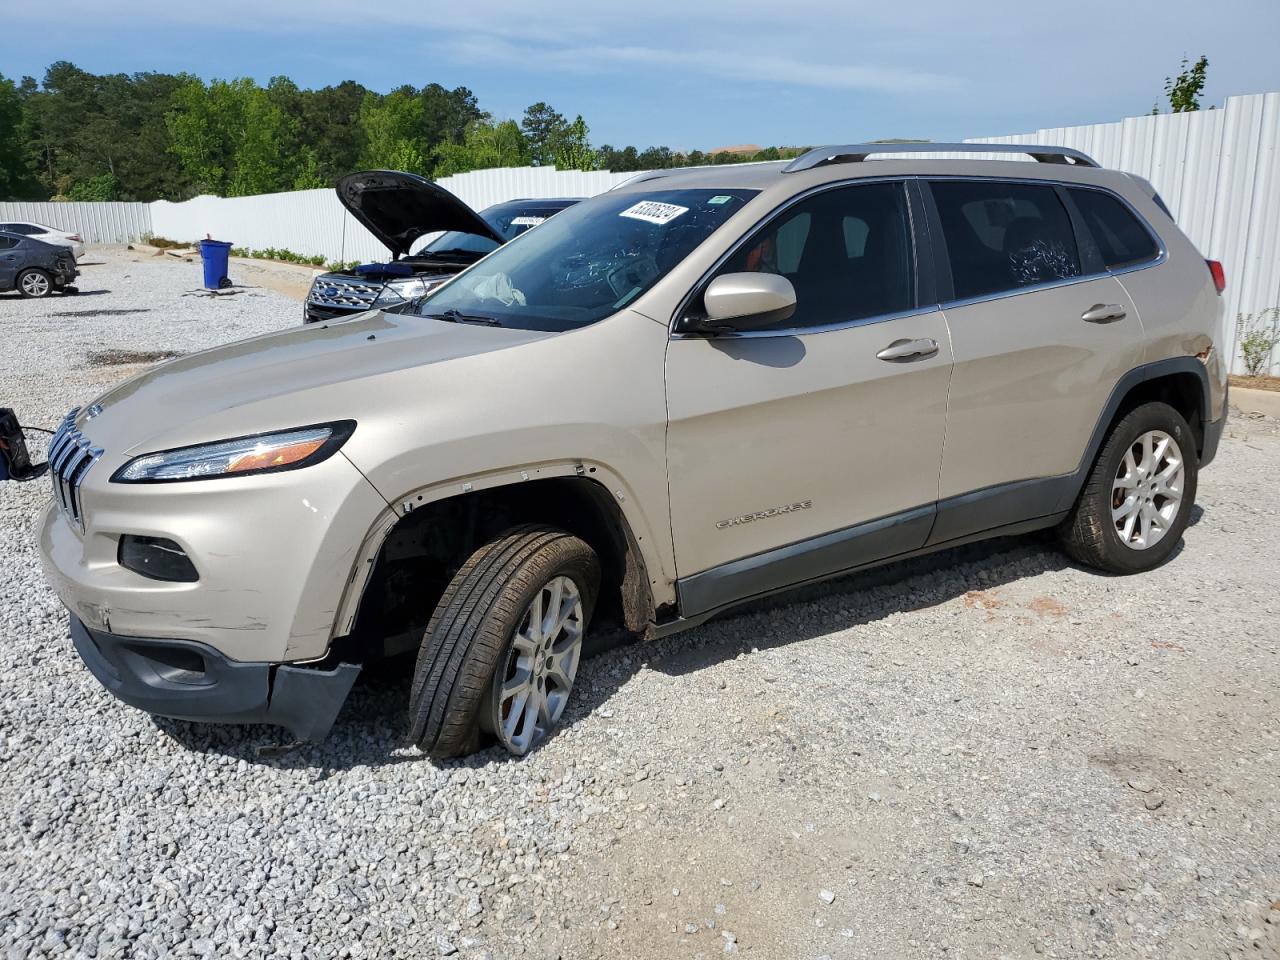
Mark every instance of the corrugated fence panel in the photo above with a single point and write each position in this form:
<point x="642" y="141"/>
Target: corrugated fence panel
<point x="95" y="222"/>
<point x="310" y="222"/>
<point x="313" y="222"/>
<point x="1219" y="172"/>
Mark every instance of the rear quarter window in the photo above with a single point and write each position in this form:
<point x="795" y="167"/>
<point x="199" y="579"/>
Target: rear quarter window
<point x="1121" y="238"/>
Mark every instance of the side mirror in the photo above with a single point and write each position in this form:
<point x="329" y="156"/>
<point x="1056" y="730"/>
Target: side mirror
<point x="748" y="301"/>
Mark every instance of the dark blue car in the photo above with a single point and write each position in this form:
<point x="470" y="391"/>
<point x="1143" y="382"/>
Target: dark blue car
<point x="35" y="268"/>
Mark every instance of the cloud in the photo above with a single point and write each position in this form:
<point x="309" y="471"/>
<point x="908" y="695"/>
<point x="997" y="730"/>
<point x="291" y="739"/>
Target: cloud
<point x="733" y="65"/>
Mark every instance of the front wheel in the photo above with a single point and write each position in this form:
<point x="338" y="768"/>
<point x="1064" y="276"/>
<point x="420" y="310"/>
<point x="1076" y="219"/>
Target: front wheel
<point x="501" y="652"/>
<point x="1137" y="499"/>
<point x="34" y="283"/>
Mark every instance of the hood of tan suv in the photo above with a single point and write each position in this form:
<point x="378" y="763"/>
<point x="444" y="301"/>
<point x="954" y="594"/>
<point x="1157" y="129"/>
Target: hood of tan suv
<point x="298" y="376"/>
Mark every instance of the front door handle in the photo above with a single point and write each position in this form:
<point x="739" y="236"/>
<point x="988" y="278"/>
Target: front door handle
<point x="1103" y="313"/>
<point x="901" y="350"/>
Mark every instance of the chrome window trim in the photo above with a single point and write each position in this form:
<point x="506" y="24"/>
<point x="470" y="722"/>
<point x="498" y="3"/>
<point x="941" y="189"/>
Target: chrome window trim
<point x="804" y="331"/>
<point x="1162" y="254"/>
<point x="787" y="204"/>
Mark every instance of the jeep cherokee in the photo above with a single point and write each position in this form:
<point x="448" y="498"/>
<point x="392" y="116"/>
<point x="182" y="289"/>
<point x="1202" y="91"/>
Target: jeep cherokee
<point x="699" y="388"/>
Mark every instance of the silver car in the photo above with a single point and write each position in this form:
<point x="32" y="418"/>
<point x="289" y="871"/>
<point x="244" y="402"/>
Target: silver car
<point x="700" y="388"/>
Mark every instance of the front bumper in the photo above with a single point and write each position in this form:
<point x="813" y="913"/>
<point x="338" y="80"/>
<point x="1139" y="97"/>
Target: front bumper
<point x="192" y="681"/>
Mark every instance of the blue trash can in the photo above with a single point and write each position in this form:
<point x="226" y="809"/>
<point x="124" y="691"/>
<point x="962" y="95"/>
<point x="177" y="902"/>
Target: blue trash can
<point x="214" y="253"/>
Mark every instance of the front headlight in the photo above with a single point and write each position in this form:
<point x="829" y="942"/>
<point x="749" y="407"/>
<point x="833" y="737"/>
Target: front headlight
<point x="260" y="453"/>
<point x="398" y="291"/>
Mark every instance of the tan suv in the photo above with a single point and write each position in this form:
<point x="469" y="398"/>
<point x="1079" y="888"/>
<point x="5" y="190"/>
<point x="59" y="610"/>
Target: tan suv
<point x="699" y="388"/>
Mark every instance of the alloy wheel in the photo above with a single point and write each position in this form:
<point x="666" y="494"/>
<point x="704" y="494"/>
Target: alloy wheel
<point x="531" y="689"/>
<point x="1147" y="492"/>
<point x="35" y="284"/>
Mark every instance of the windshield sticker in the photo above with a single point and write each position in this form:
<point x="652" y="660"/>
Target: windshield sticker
<point x="651" y="211"/>
<point x="527" y="221"/>
<point x="720" y="199"/>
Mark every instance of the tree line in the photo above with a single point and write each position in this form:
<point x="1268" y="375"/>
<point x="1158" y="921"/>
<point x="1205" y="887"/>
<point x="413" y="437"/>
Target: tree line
<point x="146" y="136"/>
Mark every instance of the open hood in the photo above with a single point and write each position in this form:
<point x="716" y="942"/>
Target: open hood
<point x="398" y="208"/>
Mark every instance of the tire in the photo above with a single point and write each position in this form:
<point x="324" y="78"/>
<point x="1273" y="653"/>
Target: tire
<point x="34" y="283"/>
<point x="1126" y="520"/>
<point x="472" y="629"/>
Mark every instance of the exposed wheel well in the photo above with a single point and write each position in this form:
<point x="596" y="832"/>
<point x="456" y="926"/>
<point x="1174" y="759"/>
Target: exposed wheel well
<point x="1184" y="391"/>
<point x="427" y="546"/>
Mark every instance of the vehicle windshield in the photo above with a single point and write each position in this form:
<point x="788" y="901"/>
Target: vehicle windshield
<point x="588" y="262"/>
<point x="508" y="220"/>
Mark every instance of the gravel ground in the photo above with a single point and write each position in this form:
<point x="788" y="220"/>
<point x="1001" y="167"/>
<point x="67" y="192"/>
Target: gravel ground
<point x="988" y="753"/>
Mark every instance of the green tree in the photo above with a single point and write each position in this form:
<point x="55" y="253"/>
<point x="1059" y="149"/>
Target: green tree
<point x="16" y="179"/>
<point x="1183" y="91"/>
<point x="543" y="128"/>
<point x="392" y="126"/>
<point x="485" y="145"/>
<point x="446" y="114"/>
<point x="260" y="130"/>
<point x="572" y="149"/>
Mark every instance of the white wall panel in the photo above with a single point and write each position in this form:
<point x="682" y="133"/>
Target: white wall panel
<point x="95" y="222"/>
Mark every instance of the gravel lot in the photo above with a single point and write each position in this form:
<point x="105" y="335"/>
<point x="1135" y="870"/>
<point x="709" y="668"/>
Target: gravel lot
<point x="989" y="753"/>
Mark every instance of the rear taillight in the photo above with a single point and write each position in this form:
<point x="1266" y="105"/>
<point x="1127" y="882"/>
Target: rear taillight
<point x="75" y="237"/>
<point x="1219" y="275"/>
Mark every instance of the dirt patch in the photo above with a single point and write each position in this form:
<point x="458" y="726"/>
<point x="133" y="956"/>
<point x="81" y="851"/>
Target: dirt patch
<point x="1047" y="607"/>
<point x="1256" y="383"/>
<point x="121" y="358"/>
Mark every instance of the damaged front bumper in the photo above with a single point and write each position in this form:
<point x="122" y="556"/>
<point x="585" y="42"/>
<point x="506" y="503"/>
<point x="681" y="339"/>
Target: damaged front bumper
<point x="189" y="680"/>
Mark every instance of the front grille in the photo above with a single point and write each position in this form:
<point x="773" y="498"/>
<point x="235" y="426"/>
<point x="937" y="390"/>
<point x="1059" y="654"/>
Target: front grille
<point x="343" y="294"/>
<point x="70" y="458"/>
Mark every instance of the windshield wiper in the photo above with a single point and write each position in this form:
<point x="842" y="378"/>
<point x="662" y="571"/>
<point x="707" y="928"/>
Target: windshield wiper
<point x="457" y="316"/>
<point x="453" y="252"/>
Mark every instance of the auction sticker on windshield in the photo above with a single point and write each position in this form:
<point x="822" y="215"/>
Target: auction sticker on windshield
<point x="651" y="211"/>
<point x="527" y="221"/>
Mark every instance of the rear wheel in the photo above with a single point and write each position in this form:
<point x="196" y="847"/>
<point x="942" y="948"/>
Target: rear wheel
<point x="1136" y="502"/>
<point x="34" y="283"/>
<point x="501" y="652"/>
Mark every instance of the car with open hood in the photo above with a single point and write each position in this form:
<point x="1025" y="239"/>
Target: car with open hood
<point x="400" y="209"/>
<point x="700" y="388"/>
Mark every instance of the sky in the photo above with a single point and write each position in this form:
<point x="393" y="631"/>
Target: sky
<point x="690" y="74"/>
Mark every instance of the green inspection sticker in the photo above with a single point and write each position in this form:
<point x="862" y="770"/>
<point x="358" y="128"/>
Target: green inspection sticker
<point x="720" y="199"/>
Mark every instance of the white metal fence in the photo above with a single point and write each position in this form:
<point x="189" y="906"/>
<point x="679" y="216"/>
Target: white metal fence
<point x="313" y="222"/>
<point x="95" y="222"/>
<point x="1219" y="171"/>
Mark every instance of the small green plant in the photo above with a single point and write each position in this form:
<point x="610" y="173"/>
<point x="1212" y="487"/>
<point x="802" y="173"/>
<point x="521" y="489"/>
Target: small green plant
<point x="1258" y="334"/>
<point x="1183" y="91"/>
<point x="341" y="266"/>
<point x="164" y="243"/>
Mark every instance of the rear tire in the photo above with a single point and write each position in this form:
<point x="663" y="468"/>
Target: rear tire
<point x="472" y="629"/>
<point x="34" y="283"/>
<point x="1137" y="499"/>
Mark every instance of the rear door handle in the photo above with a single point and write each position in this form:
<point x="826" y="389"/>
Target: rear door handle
<point x="901" y="350"/>
<point x="1103" y="313"/>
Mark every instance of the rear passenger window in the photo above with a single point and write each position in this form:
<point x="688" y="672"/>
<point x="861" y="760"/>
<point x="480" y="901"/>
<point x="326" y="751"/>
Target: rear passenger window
<point x="1002" y="236"/>
<point x="846" y="251"/>
<point x="1121" y="239"/>
<point x="7" y="242"/>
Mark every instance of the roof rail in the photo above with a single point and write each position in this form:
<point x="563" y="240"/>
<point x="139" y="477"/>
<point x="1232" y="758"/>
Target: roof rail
<point x="857" y="152"/>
